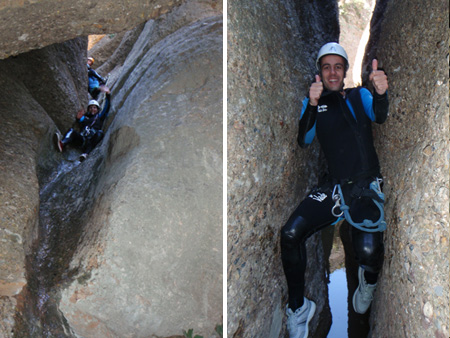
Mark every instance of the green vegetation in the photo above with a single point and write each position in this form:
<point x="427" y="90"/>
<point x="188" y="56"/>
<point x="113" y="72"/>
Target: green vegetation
<point x="190" y="333"/>
<point x="219" y="330"/>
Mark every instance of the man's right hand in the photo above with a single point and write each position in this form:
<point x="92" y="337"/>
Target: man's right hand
<point x="80" y="113"/>
<point x="315" y="91"/>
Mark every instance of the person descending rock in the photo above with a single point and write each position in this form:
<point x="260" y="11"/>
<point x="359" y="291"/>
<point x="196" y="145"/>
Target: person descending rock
<point x="351" y="189"/>
<point x="97" y="84"/>
<point x="91" y="123"/>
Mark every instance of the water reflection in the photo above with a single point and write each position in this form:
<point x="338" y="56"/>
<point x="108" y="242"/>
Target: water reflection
<point x="342" y="283"/>
<point x="337" y="291"/>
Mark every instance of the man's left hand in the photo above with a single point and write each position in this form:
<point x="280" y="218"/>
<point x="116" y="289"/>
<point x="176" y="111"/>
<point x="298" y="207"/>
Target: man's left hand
<point x="378" y="78"/>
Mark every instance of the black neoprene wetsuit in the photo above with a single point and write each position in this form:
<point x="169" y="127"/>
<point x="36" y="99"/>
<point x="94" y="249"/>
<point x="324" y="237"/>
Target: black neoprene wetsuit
<point x="343" y="127"/>
<point x="345" y="133"/>
<point x="91" y="129"/>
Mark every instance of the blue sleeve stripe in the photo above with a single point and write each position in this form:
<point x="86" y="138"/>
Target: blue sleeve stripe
<point x="367" y="100"/>
<point x="350" y="107"/>
<point x="309" y="137"/>
<point x="304" y="103"/>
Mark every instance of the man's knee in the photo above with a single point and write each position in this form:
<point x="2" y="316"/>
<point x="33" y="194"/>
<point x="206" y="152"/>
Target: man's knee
<point x="369" y="252"/>
<point x="293" y="231"/>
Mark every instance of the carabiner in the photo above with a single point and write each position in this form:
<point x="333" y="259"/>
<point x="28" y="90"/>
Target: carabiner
<point x="337" y="202"/>
<point x="337" y="205"/>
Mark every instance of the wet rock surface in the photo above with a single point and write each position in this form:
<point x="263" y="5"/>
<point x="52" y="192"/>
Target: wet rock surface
<point x="412" y="299"/>
<point x="271" y="54"/>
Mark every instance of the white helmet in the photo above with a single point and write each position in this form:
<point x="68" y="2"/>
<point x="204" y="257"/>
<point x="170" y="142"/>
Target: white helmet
<point x="93" y="103"/>
<point x="331" y="48"/>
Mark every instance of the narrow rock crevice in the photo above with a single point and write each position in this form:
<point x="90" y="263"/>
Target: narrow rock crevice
<point x="271" y="55"/>
<point x="66" y="204"/>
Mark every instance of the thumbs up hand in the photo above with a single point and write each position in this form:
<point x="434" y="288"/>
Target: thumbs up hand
<point x="378" y="78"/>
<point x="315" y="91"/>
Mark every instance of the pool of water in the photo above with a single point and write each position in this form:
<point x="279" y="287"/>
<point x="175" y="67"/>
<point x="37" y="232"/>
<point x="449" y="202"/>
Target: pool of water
<point x="342" y="278"/>
<point x="337" y="293"/>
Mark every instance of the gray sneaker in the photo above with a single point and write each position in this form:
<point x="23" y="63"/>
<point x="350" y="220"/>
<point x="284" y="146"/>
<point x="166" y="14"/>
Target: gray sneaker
<point x="362" y="298"/>
<point x="297" y="322"/>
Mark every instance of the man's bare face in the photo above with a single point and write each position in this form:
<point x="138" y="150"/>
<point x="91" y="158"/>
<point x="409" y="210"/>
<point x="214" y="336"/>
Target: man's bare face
<point x="333" y="72"/>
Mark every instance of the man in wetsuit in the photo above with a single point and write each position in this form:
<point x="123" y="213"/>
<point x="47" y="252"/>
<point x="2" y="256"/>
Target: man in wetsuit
<point x="91" y="123"/>
<point x="96" y="84"/>
<point x="342" y="121"/>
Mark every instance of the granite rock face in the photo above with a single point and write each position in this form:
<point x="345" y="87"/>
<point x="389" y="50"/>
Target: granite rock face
<point x="52" y="78"/>
<point x="140" y="221"/>
<point x="27" y="25"/>
<point x="270" y="51"/>
<point x="159" y="266"/>
<point x="161" y="27"/>
<point x="30" y="113"/>
<point x="112" y="50"/>
<point x="271" y="62"/>
<point x="412" y="45"/>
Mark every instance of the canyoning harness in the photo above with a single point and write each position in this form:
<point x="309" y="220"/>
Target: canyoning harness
<point x="88" y="130"/>
<point x="374" y="192"/>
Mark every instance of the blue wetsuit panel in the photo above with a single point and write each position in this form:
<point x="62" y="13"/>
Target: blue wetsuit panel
<point x="309" y="137"/>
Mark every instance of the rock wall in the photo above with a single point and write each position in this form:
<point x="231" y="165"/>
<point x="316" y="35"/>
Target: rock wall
<point x="157" y="262"/>
<point x="185" y="14"/>
<point x="37" y="24"/>
<point x="413" y="294"/>
<point x="271" y="54"/>
<point x="268" y="74"/>
<point x="140" y="220"/>
<point x="111" y="51"/>
<point x="29" y="112"/>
